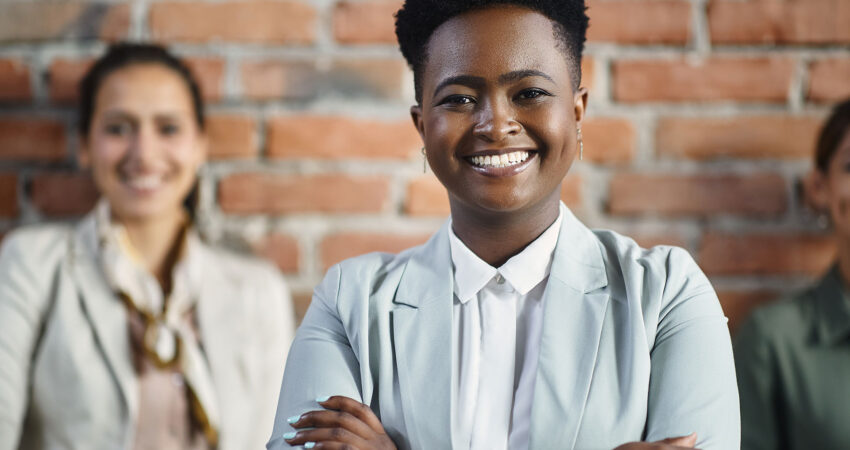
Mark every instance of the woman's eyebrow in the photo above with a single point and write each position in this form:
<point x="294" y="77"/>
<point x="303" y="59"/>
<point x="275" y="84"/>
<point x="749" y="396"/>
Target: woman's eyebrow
<point x="520" y="74"/>
<point x="464" y="80"/>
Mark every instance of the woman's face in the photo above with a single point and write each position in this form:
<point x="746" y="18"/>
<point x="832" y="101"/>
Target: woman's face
<point x="498" y="114"/>
<point x="830" y="191"/>
<point x="144" y="146"/>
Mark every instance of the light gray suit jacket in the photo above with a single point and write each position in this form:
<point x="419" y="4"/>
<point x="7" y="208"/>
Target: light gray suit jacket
<point x="66" y="374"/>
<point x="634" y="346"/>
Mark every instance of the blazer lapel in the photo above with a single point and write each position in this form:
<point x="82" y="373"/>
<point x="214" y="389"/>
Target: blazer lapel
<point x="105" y="312"/>
<point x="422" y="333"/>
<point x="572" y="324"/>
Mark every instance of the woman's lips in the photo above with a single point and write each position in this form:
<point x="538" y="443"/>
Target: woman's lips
<point x="501" y="164"/>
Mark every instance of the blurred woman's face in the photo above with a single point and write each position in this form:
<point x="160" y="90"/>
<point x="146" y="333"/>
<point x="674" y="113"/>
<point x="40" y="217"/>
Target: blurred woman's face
<point x="830" y="191"/>
<point x="144" y="146"/>
<point x="498" y="114"/>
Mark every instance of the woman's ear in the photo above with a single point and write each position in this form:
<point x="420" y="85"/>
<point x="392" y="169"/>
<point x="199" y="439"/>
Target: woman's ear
<point x="580" y="104"/>
<point x="816" y="191"/>
<point x="418" y="122"/>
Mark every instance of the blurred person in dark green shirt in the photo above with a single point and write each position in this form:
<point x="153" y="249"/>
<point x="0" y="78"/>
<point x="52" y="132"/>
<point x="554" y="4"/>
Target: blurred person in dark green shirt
<point x="793" y="356"/>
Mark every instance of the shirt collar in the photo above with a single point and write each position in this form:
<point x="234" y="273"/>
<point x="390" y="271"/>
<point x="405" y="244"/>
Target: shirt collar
<point x="523" y="271"/>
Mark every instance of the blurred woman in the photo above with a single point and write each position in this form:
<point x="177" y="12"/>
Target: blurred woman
<point x="793" y="356"/>
<point x="514" y="326"/>
<point x="126" y="330"/>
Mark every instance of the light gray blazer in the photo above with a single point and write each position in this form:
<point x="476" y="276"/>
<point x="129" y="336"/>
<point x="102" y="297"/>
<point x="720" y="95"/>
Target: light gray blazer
<point x="634" y="346"/>
<point x="66" y="376"/>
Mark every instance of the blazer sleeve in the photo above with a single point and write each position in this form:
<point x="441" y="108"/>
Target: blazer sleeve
<point x="757" y="384"/>
<point x="276" y="328"/>
<point x="23" y="303"/>
<point x="692" y="379"/>
<point x="321" y="361"/>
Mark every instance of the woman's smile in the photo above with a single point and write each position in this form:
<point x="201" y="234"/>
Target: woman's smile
<point x="501" y="163"/>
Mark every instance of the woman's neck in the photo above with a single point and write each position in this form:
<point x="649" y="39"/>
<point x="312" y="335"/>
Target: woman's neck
<point x="496" y="237"/>
<point x="157" y="243"/>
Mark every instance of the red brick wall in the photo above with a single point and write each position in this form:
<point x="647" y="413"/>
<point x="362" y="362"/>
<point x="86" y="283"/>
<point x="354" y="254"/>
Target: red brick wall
<point x="702" y="119"/>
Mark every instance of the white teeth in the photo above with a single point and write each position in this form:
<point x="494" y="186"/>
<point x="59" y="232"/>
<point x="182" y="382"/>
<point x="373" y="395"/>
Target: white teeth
<point x="145" y="182"/>
<point x="503" y="160"/>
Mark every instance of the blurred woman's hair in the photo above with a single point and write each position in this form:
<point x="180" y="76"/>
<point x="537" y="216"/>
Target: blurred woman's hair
<point x="126" y="54"/>
<point x="831" y="135"/>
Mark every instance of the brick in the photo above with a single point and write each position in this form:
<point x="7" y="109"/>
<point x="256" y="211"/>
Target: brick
<point x="737" y="305"/>
<point x="714" y="79"/>
<point x="337" y="137"/>
<point x="37" y="140"/>
<point x="760" y="194"/>
<point x="280" y="249"/>
<point x="209" y="73"/>
<point x="765" y="254"/>
<point x="258" y="193"/>
<point x="232" y="136"/>
<point x="340" y="246"/>
<point x="301" y="301"/>
<point x="40" y="21"/>
<point x="829" y="80"/>
<point x="14" y="81"/>
<point x="8" y="195"/>
<point x="306" y="80"/>
<point x="368" y="22"/>
<point x="262" y="22"/>
<point x="588" y="73"/>
<point x="705" y="138"/>
<point x="779" y="21"/>
<point x="639" y="22"/>
<point x="427" y="197"/>
<point x="571" y="191"/>
<point x="608" y="140"/>
<point x="63" y="194"/>
<point x="63" y="79"/>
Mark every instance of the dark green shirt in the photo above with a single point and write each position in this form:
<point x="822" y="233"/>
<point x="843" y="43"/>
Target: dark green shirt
<point x="793" y="362"/>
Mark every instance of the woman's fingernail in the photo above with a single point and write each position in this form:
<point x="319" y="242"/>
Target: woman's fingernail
<point x="290" y="435"/>
<point x="293" y="419"/>
<point x="322" y="399"/>
<point x="309" y="444"/>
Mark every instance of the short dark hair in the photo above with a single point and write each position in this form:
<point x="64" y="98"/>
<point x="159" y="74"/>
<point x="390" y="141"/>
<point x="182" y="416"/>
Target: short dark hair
<point x="125" y="54"/>
<point x="831" y="135"/>
<point x="417" y="19"/>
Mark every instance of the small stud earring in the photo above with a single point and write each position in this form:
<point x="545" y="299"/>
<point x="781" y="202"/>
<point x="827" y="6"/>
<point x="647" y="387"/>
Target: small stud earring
<point x="424" y="160"/>
<point x="580" y="146"/>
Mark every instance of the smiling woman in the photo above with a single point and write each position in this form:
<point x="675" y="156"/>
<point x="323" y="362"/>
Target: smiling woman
<point x="514" y="326"/>
<point x="126" y="330"/>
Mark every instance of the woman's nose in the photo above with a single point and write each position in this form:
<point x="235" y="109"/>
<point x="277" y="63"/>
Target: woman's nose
<point x="496" y="121"/>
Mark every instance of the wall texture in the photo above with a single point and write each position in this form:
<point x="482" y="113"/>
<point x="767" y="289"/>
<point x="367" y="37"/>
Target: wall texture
<point x="703" y="115"/>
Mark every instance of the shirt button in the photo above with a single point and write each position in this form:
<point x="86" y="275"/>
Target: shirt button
<point x="500" y="279"/>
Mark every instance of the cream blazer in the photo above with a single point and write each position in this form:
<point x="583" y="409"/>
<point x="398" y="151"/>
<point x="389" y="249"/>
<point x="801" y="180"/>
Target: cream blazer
<point x="634" y="347"/>
<point x="66" y="376"/>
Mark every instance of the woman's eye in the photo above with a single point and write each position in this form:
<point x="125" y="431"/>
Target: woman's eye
<point x="118" y="129"/>
<point x="457" y="100"/>
<point x="169" y="129"/>
<point x="530" y="94"/>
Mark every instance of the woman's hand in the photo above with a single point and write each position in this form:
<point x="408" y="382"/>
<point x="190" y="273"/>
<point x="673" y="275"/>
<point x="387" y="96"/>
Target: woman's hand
<point x="667" y="444"/>
<point x="343" y="424"/>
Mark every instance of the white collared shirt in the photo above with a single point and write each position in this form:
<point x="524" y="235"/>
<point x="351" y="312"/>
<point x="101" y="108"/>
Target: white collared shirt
<point x="497" y="323"/>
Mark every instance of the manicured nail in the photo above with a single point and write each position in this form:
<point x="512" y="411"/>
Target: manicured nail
<point x="322" y="399"/>
<point x="290" y="435"/>
<point x="293" y="419"/>
<point x="309" y="444"/>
